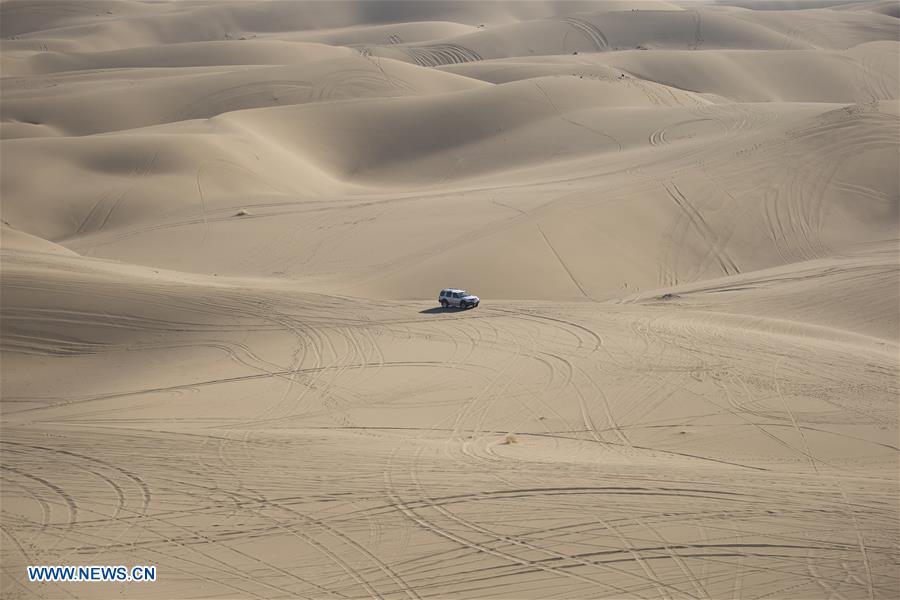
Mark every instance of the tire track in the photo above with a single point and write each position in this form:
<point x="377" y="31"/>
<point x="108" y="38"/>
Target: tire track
<point x="563" y="263"/>
<point x="441" y="54"/>
<point x="590" y="31"/>
<point x="706" y="233"/>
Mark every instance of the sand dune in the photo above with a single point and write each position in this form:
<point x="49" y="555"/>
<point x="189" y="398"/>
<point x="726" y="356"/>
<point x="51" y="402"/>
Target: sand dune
<point x="224" y="226"/>
<point x="82" y="104"/>
<point x="189" y="54"/>
<point x="861" y="74"/>
<point x="650" y="29"/>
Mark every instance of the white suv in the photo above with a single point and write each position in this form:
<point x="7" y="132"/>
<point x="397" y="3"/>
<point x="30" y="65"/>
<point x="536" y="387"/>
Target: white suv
<point x="458" y="298"/>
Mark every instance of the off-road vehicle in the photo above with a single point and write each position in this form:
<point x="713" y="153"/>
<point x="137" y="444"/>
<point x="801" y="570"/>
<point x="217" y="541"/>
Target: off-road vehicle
<point x="458" y="298"/>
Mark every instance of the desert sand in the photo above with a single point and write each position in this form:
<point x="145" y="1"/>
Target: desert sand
<point x="225" y="226"/>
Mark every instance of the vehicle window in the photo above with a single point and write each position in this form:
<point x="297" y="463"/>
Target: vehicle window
<point x="443" y="293"/>
<point x="456" y="295"/>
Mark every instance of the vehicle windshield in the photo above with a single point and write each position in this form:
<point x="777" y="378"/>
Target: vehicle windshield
<point x="463" y="293"/>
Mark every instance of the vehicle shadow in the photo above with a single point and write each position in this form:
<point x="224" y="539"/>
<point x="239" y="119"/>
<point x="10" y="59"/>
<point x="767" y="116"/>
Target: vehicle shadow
<point x="437" y="310"/>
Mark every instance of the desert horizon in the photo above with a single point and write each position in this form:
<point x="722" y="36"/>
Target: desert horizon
<point x="666" y="366"/>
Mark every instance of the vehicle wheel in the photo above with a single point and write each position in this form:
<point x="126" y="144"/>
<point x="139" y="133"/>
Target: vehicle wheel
<point x="443" y="304"/>
<point x="463" y="306"/>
